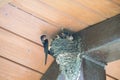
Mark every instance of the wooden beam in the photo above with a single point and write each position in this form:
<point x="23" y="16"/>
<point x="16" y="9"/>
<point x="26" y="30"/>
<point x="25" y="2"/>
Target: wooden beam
<point x="107" y="52"/>
<point x="102" y="41"/>
<point x="52" y="73"/>
<point x="101" y="44"/>
<point x="91" y="71"/>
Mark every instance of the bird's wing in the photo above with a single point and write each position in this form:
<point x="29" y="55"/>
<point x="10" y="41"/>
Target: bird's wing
<point x="46" y="50"/>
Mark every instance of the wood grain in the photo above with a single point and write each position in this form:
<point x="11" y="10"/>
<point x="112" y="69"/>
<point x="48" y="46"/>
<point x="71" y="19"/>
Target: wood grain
<point x="24" y="24"/>
<point x="75" y="10"/>
<point x="23" y="51"/>
<point x="3" y="2"/>
<point x="113" y="68"/>
<point x="49" y="14"/>
<point x="23" y="21"/>
<point x="108" y="78"/>
<point x="116" y="2"/>
<point x="12" y="71"/>
<point x="104" y="7"/>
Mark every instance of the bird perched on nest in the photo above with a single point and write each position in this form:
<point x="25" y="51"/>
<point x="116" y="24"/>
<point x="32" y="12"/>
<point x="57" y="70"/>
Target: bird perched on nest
<point x="63" y="34"/>
<point x="45" y="43"/>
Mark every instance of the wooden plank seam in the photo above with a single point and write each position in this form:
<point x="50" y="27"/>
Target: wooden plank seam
<point x="33" y="15"/>
<point x="21" y="65"/>
<point x="21" y="36"/>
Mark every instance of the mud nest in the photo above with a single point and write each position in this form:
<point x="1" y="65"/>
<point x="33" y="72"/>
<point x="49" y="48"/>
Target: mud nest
<point x="66" y="48"/>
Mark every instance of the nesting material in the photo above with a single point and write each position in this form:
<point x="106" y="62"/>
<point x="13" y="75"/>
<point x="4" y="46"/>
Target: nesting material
<point x="67" y="50"/>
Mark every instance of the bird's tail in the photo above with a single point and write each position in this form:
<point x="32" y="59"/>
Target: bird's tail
<point x="46" y="58"/>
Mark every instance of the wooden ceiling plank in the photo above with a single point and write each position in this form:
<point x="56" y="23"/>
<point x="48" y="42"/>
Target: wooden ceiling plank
<point x="113" y="69"/>
<point x="104" y="7"/>
<point x="22" y="51"/>
<point x="108" y="78"/>
<point x="24" y="24"/>
<point x="3" y="2"/>
<point x="50" y="14"/>
<point x="12" y="71"/>
<point x="71" y="8"/>
<point x="116" y="2"/>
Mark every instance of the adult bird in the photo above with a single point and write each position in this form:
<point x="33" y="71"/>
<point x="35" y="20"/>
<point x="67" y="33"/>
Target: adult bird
<point x="44" y="41"/>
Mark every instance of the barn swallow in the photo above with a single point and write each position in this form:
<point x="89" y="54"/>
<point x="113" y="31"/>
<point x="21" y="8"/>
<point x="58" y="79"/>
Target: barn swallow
<point x="44" y="41"/>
